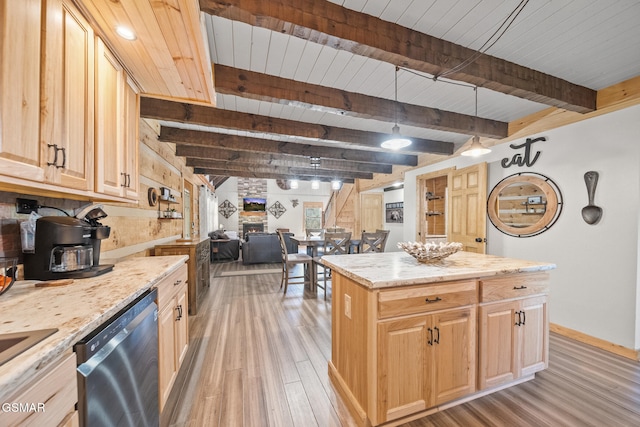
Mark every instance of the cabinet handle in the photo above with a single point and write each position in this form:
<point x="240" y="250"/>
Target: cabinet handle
<point x="128" y="180"/>
<point x="524" y="317"/>
<point x="517" y="288"/>
<point x="519" y="322"/>
<point x="429" y="301"/>
<point x="64" y="157"/>
<point x="55" y="155"/>
<point x="430" y="340"/>
<point x="437" y="340"/>
<point x="179" y="309"/>
<point x="177" y="282"/>
<point x="124" y="179"/>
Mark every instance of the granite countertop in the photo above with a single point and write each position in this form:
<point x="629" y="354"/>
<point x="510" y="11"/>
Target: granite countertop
<point x="75" y="309"/>
<point x="389" y="269"/>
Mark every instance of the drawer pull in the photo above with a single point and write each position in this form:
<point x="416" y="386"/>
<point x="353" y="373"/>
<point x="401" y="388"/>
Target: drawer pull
<point x="429" y="301"/>
<point x="517" y="288"/>
<point x="177" y="282"/>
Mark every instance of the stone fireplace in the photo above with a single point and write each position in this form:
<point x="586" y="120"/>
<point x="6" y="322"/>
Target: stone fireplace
<point x="251" y="187"/>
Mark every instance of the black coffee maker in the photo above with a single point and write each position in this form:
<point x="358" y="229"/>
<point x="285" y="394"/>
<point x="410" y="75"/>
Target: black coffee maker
<point x="68" y="247"/>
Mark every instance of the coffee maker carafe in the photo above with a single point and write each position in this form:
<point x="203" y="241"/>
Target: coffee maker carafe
<point x="68" y="247"/>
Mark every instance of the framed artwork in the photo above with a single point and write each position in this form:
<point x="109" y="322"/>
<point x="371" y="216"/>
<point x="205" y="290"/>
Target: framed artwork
<point x="394" y="212"/>
<point x="277" y="209"/>
<point x="226" y="209"/>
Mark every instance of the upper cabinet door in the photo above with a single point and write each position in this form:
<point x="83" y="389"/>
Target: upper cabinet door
<point x="20" y="148"/>
<point x="131" y="140"/>
<point x="68" y="101"/>
<point x="109" y="122"/>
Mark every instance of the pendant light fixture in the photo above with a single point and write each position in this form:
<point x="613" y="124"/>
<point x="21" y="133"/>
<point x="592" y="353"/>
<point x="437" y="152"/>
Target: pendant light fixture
<point x="396" y="141"/>
<point x="476" y="148"/>
<point x="315" y="164"/>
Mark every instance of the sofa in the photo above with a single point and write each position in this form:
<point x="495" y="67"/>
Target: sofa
<point x="265" y="247"/>
<point x="223" y="246"/>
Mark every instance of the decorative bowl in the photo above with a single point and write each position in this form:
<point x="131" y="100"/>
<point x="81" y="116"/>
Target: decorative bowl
<point x="8" y="270"/>
<point x="430" y="251"/>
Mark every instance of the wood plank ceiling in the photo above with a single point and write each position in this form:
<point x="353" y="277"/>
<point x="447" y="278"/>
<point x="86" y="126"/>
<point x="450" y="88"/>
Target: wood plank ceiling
<point x="296" y="79"/>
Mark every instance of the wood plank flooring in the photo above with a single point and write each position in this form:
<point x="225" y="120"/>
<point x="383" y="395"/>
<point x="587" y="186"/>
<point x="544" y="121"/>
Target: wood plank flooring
<point x="259" y="358"/>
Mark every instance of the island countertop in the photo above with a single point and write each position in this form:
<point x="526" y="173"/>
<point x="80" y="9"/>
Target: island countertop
<point x="389" y="269"/>
<point x="75" y="310"/>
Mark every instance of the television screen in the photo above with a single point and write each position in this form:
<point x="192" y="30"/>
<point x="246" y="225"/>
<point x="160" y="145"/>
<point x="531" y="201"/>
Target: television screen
<point x="254" y="204"/>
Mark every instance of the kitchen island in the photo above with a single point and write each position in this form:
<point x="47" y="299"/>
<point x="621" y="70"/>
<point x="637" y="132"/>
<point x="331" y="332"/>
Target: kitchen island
<point x="75" y="310"/>
<point x="410" y="339"/>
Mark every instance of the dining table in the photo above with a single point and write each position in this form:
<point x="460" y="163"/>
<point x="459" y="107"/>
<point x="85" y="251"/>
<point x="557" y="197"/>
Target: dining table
<point x="314" y="244"/>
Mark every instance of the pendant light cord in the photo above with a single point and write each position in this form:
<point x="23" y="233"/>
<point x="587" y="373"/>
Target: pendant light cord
<point x="395" y="106"/>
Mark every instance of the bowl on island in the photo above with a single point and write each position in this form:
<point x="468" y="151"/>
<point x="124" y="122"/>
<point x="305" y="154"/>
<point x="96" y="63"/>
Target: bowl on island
<point x="430" y="251"/>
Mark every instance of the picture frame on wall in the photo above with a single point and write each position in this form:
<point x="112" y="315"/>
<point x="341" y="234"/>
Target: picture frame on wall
<point x="394" y="212"/>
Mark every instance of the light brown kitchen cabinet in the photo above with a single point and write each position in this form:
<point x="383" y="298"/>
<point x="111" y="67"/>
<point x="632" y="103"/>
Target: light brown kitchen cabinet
<point x="67" y="132"/>
<point x="173" y="330"/>
<point x="53" y="395"/>
<point x="117" y="110"/>
<point x="20" y="148"/>
<point x="513" y="330"/>
<point x="442" y="343"/>
<point x="198" y="266"/>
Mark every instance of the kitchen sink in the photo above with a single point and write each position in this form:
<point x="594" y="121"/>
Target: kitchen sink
<point x="15" y="343"/>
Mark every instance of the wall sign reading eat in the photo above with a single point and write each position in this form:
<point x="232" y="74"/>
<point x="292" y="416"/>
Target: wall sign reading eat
<point x="520" y="159"/>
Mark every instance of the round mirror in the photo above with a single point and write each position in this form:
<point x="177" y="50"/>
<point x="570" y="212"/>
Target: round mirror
<point x="524" y="204"/>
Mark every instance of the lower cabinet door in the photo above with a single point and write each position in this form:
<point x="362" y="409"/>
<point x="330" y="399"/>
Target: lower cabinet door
<point x="453" y="356"/>
<point x="402" y="370"/>
<point x="166" y="352"/>
<point x="534" y="340"/>
<point x="497" y="344"/>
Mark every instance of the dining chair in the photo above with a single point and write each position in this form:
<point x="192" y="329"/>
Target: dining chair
<point x="373" y="241"/>
<point x="291" y="260"/>
<point x="315" y="232"/>
<point x="334" y="244"/>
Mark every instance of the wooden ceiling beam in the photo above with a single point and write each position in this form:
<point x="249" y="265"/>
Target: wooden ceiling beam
<point x="263" y="87"/>
<point x="266" y="175"/>
<point x="161" y="109"/>
<point x="336" y="158"/>
<point x="255" y="159"/>
<point x="335" y="26"/>
<point x="282" y="170"/>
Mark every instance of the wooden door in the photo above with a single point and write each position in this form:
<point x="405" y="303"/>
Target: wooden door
<point x="533" y="337"/>
<point x="402" y="370"/>
<point x="454" y="356"/>
<point x="20" y="147"/>
<point x="371" y="212"/>
<point x="497" y="343"/>
<point x="467" y="207"/>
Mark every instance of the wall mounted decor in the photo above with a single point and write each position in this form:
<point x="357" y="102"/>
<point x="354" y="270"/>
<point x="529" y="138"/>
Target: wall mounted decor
<point x="277" y="209"/>
<point x="591" y="213"/>
<point x="523" y="160"/>
<point x="294" y="202"/>
<point x="525" y="204"/>
<point x="394" y="212"/>
<point x="226" y="209"/>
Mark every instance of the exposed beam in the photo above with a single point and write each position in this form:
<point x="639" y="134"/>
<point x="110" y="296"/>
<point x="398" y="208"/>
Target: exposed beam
<point x="267" y="175"/>
<point x="281" y="170"/>
<point x="329" y="24"/>
<point x="337" y="158"/>
<point x="160" y="109"/>
<point x="252" y="159"/>
<point x="256" y="159"/>
<point x="263" y="87"/>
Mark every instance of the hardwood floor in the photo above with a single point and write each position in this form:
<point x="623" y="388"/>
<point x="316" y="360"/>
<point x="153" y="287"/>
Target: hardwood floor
<point x="259" y="358"/>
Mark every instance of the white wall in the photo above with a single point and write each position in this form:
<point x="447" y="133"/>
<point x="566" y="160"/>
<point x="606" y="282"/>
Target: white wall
<point x="595" y="288"/>
<point x="293" y="216"/>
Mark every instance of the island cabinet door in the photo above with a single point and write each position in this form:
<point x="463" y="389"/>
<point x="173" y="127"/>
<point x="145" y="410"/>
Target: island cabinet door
<point x="514" y="340"/>
<point x="424" y="361"/>
<point x="402" y="367"/>
<point x="453" y="350"/>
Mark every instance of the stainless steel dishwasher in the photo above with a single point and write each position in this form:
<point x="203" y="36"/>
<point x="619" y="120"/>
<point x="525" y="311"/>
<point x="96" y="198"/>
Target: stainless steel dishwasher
<point x="118" y="368"/>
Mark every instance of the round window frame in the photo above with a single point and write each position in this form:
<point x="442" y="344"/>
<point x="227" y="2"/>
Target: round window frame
<point x="552" y="213"/>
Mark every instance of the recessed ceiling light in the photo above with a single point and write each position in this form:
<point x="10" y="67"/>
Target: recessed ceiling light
<point x="125" y="32"/>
